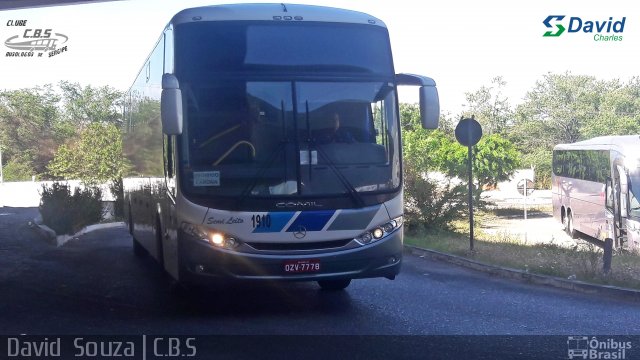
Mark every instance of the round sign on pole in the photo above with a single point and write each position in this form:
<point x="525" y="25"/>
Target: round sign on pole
<point x="468" y="132"/>
<point x="530" y="186"/>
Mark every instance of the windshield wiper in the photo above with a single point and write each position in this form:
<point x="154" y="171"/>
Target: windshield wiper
<point x="353" y="193"/>
<point x="261" y="171"/>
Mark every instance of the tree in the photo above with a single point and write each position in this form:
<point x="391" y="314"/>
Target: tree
<point x="95" y="158"/>
<point x="540" y="160"/>
<point x="490" y="107"/>
<point x="29" y="129"/>
<point x="565" y="108"/>
<point x="84" y="105"/>
<point x="426" y="152"/>
<point x="618" y="112"/>
<point x="430" y="201"/>
<point x="557" y="109"/>
<point x="495" y="159"/>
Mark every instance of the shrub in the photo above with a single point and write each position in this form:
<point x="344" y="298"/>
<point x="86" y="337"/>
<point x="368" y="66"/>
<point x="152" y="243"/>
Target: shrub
<point x="15" y="170"/>
<point x="66" y="213"/>
<point x="431" y="203"/>
<point x="117" y="190"/>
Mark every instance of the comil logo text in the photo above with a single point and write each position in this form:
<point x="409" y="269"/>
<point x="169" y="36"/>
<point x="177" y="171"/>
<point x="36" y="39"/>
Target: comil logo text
<point x="601" y="30"/>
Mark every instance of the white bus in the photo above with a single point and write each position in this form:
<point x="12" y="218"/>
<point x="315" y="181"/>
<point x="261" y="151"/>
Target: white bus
<point x="594" y="186"/>
<point x="265" y="142"/>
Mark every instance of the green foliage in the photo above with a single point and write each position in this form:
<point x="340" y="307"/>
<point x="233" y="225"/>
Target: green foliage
<point x="565" y="108"/>
<point x="66" y="213"/>
<point x="540" y="159"/>
<point x="495" y="157"/>
<point x="84" y="105"/>
<point x="143" y="137"/>
<point x="34" y="121"/>
<point x="28" y="133"/>
<point x="435" y="203"/>
<point x="14" y="170"/>
<point x="431" y="203"/>
<point x="94" y="158"/>
<point x="490" y="107"/>
<point x="495" y="160"/>
<point x="117" y="190"/>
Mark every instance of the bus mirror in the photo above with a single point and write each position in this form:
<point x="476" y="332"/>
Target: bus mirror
<point x="608" y="191"/>
<point x="622" y="177"/>
<point x="429" y="101"/>
<point x="171" y="105"/>
<point x="429" y="107"/>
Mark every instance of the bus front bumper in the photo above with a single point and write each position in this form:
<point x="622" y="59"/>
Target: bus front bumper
<point x="201" y="262"/>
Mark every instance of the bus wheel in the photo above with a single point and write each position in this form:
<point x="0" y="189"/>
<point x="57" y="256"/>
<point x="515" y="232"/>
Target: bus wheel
<point x="334" y="285"/>
<point x="570" y="229"/>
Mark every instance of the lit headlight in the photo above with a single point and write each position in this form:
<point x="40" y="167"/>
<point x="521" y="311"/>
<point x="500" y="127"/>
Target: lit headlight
<point x="379" y="232"/>
<point x="213" y="237"/>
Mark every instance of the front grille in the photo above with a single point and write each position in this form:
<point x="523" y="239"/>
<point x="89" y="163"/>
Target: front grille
<point x="320" y="245"/>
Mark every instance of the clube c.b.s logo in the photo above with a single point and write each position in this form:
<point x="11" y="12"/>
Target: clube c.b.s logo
<point x="30" y="41"/>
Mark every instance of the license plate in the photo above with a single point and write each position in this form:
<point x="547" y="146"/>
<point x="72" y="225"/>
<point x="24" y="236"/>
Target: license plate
<point x="301" y="266"/>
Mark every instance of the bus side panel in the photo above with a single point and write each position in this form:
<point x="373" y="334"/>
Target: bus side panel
<point x="587" y="206"/>
<point x="142" y="140"/>
<point x="556" y="198"/>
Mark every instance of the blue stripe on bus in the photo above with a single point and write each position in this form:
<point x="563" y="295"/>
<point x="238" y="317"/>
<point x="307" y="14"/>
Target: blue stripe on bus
<point x="278" y="221"/>
<point x="311" y="220"/>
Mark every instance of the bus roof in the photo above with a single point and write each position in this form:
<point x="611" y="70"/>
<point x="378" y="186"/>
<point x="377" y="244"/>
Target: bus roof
<point x="622" y="142"/>
<point x="274" y="12"/>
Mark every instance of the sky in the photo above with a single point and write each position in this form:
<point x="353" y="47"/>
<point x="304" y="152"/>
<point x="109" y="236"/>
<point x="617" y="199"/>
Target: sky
<point x="461" y="44"/>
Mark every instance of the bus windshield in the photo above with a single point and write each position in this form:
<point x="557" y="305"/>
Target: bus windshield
<point x="276" y="48"/>
<point x="290" y="138"/>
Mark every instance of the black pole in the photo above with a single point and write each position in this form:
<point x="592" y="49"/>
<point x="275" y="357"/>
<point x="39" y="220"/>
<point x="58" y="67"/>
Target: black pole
<point x="608" y="253"/>
<point x="469" y="170"/>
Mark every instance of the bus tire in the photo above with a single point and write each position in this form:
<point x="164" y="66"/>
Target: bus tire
<point x="571" y="231"/>
<point x="334" y="285"/>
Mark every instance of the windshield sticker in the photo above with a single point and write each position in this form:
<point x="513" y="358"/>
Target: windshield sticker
<point x="206" y="178"/>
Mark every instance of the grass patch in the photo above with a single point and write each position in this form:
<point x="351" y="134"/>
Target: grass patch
<point x="582" y="262"/>
<point x="516" y="212"/>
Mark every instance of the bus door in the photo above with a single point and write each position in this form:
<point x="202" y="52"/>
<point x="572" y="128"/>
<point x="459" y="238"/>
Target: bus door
<point x="620" y="189"/>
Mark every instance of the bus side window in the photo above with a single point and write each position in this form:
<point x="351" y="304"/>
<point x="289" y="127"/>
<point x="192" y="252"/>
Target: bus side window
<point x="609" y="194"/>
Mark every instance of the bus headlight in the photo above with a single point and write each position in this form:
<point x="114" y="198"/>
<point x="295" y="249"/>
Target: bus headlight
<point x="213" y="237"/>
<point x="379" y="232"/>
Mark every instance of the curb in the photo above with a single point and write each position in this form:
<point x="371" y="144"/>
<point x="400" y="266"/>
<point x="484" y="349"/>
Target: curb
<point x="520" y="275"/>
<point x="58" y="240"/>
<point x="45" y="232"/>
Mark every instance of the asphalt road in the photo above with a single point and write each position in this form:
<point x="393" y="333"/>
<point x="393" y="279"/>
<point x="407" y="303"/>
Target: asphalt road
<point x="95" y="285"/>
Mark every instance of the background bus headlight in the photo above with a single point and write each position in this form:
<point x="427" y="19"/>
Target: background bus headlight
<point x="379" y="232"/>
<point x="213" y="237"/>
